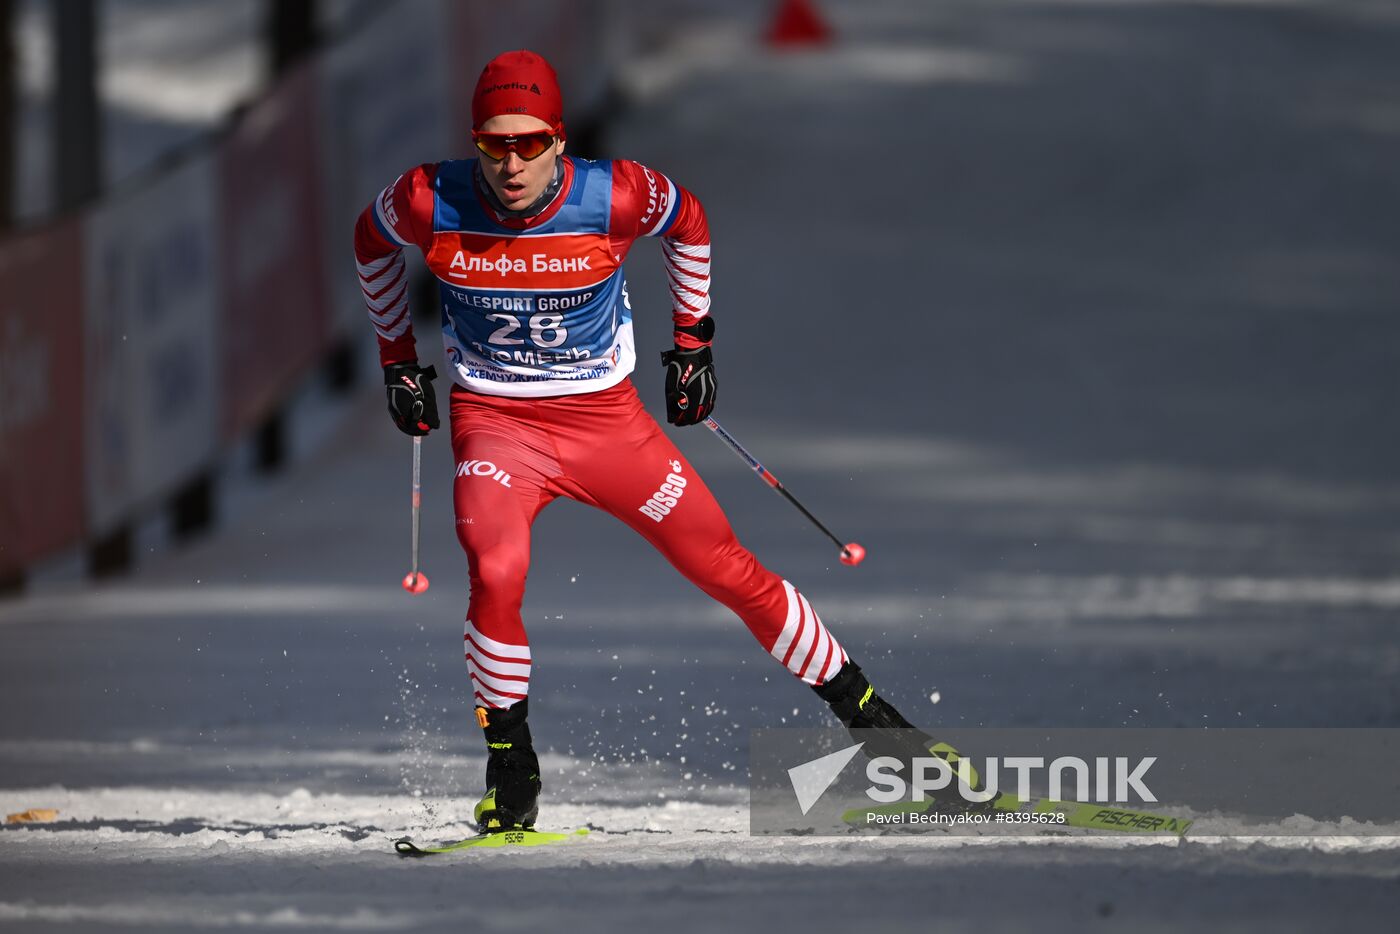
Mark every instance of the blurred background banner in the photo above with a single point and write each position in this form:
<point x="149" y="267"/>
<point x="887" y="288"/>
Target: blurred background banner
<point x="152" y="323"/>
<point x="273" y="287"/>
<point x="373" y="128"/>
<point x="41" y="393"/>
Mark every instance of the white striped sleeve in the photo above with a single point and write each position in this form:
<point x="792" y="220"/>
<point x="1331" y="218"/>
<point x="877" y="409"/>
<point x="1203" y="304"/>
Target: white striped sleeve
<point x="384" y="282"/>
<point x="688" y="275"/>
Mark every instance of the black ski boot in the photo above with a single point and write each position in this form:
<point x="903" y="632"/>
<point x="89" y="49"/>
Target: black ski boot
<point x="512" y="794"/>
<point x="887" y="733"/>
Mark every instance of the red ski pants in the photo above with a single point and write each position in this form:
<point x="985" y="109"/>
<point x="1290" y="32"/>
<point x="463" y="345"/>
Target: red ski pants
<point x="514" y="456"/>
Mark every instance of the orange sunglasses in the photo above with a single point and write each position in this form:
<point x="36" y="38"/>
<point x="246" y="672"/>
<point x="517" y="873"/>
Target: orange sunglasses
<point x="528" y="146"/>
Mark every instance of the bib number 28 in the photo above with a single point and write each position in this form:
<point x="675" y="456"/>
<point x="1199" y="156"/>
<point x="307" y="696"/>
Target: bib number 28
<point x="545" y="330"/>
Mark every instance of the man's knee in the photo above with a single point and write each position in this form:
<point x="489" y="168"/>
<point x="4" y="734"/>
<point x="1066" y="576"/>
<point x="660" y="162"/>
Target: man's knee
<point x="500" y="571"/>
<point x="729" y="572"/>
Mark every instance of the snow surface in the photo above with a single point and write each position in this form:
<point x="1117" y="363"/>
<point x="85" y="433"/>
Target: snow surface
<point x="1079" y="316"/>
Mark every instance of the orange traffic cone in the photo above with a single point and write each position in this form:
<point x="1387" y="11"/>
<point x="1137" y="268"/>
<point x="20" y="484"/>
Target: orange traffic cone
<point x="797" y="22"/>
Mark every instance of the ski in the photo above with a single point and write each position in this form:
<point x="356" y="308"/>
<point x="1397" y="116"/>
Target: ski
<point x="404" y="846"/>
<point x="1040" y="813"/>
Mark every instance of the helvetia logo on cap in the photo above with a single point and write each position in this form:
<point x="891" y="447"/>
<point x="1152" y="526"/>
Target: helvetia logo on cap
<point x="512" y="86"/>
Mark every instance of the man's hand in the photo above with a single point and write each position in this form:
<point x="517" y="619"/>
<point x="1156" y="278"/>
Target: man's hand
<point x="412" y="403"/>
<point x="690" y="385"/>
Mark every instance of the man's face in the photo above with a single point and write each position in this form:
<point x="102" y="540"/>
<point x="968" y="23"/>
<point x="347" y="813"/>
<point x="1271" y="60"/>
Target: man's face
<point x="514" y="180"/>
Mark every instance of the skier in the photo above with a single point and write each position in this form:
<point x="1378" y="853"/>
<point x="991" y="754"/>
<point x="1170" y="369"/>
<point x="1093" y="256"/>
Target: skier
<point x="527" y="245"/>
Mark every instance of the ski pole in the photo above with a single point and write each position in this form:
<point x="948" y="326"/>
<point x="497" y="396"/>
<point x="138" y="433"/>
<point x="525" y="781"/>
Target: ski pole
<point x="416" y="582"/>
<point x="851" y="553"/>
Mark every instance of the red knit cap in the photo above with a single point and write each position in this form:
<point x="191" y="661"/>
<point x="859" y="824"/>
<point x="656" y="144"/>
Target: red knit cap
<point x="517" y="83"/>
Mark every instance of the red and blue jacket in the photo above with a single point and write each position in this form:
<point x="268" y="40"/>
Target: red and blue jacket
<point x="533" y="306"/>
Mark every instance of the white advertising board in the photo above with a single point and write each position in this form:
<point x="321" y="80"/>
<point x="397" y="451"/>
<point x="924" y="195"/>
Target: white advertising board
<point x="151" y="315"/>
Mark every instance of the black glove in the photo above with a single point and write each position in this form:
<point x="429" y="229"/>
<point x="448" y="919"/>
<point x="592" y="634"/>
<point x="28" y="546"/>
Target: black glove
<point x="690" y="385"/>
<point x="412" y="402"/>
